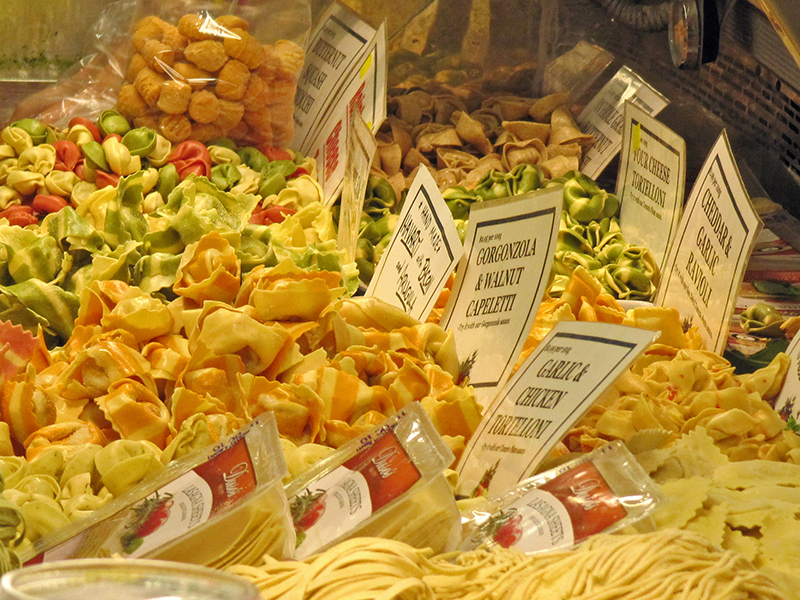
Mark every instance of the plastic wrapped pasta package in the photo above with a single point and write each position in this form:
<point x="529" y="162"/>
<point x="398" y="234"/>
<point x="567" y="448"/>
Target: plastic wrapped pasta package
<point x="219" y="505"/>
<point x="596" y="493"/>
<point x="204" y="77"/>
<point x="388" y="483"/>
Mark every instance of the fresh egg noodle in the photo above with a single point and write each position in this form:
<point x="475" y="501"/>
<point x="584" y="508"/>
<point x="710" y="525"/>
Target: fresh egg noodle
<point x="655" y="566"/>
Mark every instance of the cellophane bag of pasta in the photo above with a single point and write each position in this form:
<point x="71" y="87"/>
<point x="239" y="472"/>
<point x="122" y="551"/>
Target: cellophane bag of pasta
<point x="221" y="505"/>
<point x="189" y="69"/>
<point x="388" y="484"/>
<point x="600" y="492"/>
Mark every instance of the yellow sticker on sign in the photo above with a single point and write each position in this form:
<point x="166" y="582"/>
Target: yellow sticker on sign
<point x="636" y="136"/>
<point x="365" y="67"/>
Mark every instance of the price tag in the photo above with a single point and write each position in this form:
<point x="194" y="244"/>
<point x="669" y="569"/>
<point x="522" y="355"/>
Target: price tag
<point x="787" y="404"/>
<point x="337" y="46"/>
<point x="550" y="392"/>
<point x="603" y="117"/>
<point x="706" y="263"/>
<point x="360" y="75"/>
<point x="361" y="148"/>
<point x="422" y="253"/>
<point x="651" y="182"/>
<point x="508" y="255"/>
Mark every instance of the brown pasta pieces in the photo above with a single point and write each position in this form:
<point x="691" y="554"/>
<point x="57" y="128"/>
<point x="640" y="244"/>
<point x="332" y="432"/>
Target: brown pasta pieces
<point x="204" y="132"/>
<point x="148" y="84"/>
<point x="245" y="48"/>
<point x="255" y="95"/>
<point x="240" y="132"/>
<point x="129" y="103"/>
<point x="137" y="64"/>
<point x="207" y="55"/>
<point x="195" y="27"/>
<point x="230" y="114"/>
<point x="175" y="40"/>
<point x="230" y="22"/>
<point x="197" y="78"/>
<point x="204" y="107"/>
<point x="176" y="128"/>
<point x="149" y="120"/>
<point x="289" y="57"/>
<point x="174" y="98"/>
<point x="232" y="81"/>
<point x="149" y="28"/>
<point x="158" y="56"/>
<point x="258" y="119"/>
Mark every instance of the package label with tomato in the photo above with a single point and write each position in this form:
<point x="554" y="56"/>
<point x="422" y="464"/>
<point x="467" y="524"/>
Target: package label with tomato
<point x="191" y="492"/>
<point x="600" y="492"/>
<point x="362" y="478"/>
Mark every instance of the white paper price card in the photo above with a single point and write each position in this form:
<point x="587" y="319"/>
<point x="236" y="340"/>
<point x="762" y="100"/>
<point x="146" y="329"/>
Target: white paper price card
<point x="787" y="403"/>
<point x="603" y="117"/>
<point x="708" y="258"/>
<point x="508" y="255"/>
<point x="550" y="392"/>
<point x="423" y="251"/>
<point x="337" y="45"/>
<point x="364" y="92"/>
<point x="651" y="182"/>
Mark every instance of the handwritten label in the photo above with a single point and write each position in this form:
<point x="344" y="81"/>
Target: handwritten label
<point x="422" y="253"/>
<point x="361" y="148"/>
<point x="603" y="117"/>
<point x="550" y="392"/>
<point x="355" y="55"/>
<point x="500" y="281"/>
<point x="706" y="263"/>
<point x="787" y="404"/>
<point x="337" y="46"/>
<point x="651" y="182"/>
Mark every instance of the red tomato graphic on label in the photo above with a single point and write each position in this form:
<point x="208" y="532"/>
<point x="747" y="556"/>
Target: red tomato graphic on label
<point x="148" y="517"/>
<point x="307" y="508"/>
<point x="510" y="531"/>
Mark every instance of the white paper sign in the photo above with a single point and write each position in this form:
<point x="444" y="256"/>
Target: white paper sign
<point x="787" y="404"/>
<point x="603" y="117"/>
<point x="365" y="91"/>
<point x="708" y="258"/>
<point x="551" y="391"/>
<point x="651" y="182"/>
<point x="508" y="255"/>
<point x="338" y="45"/>
<point x="361" y="148"/>
<point x="422" y="253"/>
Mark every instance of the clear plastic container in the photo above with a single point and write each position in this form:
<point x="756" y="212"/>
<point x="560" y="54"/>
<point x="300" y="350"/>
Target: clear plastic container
<point x="122" y="579"/>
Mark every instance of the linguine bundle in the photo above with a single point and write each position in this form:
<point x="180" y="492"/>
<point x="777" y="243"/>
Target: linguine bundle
<point x="656" y="566"/>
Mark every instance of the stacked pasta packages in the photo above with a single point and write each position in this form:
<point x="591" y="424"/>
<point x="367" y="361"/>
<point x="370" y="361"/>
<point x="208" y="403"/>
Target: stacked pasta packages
<point x="205" y="78"/>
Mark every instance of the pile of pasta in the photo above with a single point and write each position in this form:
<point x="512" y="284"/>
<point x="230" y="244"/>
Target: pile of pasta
<point x="667" y="395"/>
<point x="176" y="376"/>
<point x="750" y="507"/>
<point x="204" y="78"/>
<point x="137" y="232"/>
<point x="658" y="566"/>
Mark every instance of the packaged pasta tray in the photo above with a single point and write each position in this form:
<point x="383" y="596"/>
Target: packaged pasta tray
<point x="216" y="506"/>
<point x="388" y="483"/>
<point x="596" y="493"/>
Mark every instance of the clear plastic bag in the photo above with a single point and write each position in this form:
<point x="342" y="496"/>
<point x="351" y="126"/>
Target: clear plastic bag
<point x="235" y="482"/>
<point x="602" y="491"/>
<point x="388" y="483"/>
<point x="245" y="58"/>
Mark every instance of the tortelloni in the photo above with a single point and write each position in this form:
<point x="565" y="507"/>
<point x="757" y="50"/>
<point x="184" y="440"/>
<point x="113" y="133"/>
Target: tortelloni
<point x="674" y="392"/>
<point x="145" y="381"/>
<point x="64" y="483"/>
